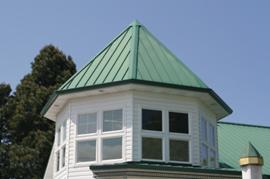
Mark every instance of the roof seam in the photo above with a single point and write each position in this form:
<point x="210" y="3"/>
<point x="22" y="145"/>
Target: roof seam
<point x="117" y="57"/>
<point x="121" y="66"/>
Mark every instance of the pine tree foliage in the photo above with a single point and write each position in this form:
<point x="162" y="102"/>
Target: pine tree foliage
<point x="31" y="134"/>
<point x="5" y="91"/>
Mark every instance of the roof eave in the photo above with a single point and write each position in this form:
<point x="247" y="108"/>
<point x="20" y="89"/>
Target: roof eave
<point x="56" y="94"/>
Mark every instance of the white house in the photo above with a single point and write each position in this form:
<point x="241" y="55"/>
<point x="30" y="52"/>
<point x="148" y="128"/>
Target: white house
<point x="133" y="107"/>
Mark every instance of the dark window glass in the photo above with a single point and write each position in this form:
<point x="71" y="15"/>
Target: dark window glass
<point x="179" y="150"/>
<point x="204" y="155"/>
<point x="212" y="159"/>
<point x="211" y="135"/>
<point x="203" y="127"/>
<point x="178" y="122"/>
<point x="151" y="120"/>
<point x="58" y="160"/>
<point x="64" y="157"/>
<point x="151" y="148"/>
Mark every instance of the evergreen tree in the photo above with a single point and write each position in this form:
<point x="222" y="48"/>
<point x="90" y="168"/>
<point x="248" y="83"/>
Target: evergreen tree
<point x="5" y="90"/>
<point x="31" y="134"/>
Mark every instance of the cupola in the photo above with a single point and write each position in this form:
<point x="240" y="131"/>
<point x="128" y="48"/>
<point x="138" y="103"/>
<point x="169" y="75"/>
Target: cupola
<point x="134" y="101"/>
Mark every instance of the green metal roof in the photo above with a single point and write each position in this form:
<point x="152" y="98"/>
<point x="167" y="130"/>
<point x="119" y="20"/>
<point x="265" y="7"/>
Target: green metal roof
<point x="166" y="167"/>
<point x="233" y="138"/>
<point x="250" y="151"/>
<point x="134" y="54"/>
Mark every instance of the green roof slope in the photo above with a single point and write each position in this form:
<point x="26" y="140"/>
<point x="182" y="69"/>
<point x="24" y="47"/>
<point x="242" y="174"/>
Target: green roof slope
<point x="233" y="139"/>
<point x="134" y="54"/>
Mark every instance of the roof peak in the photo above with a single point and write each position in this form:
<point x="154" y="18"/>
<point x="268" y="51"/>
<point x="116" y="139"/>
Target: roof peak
<point x="136" y="23"/>
<point x="250" y="151"/>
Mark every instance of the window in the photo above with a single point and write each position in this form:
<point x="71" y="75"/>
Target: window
<point x="157" y="141"/>
<point x="112" y="148"/>
<point x="212" y="159"/>
<point x="151" y="120"/>
<point x="203" y="128"/>
<point x="204" y="155"/>
<point x="208" y="144"/>
<point x="99" y="136"/>
<point x="86" y="151"/>
<point x="59" y="136"/>
<point x="63" y="156"/>
<point x="211" y="135"/>
<point x="179" y="150"/>
<point x="87" y="123"/>
<point x="152" y="148"/>
<point x="178" y="122"/>
<point x="112" y="120"/>
<point x="65" y="131"/>
<point x="57" y="161"/>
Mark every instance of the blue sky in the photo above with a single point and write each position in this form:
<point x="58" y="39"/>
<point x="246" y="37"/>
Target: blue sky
<point x="225" y="42"/>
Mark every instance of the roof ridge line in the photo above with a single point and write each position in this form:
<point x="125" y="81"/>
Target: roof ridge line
<point x="242" y="124"/>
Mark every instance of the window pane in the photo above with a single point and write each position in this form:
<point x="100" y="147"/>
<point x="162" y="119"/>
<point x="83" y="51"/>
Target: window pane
<point x="86" y="151"/>
<point x="203" y="128"/>
<point x="65" y="130"/>
<point x="87" y="123"/>
<point x="179" y="150"/>
<point x="112" y="148"/>
<point x="178" y="122"/>
<point x="59" y="136"/>
<point x="151" y="148"/>
<point x="212" y="159"/>
<point x="204" y="155"/>
<point x="57" y="161"/>
<point x="112" y="120"/>
<point x="151" y="120"/>
<point x="64" y="157"/>
<point x="211" y="135"/>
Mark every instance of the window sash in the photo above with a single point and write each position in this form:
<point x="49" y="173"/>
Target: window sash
<point x="112" y="148"/>
<point x="152" y="120"/>
<point x="112" y="120"/>
<point x="179" y="150"/>
<point x="86" y="151"/>
<point x="87" y="123"/>
<point x="152" y="148"/>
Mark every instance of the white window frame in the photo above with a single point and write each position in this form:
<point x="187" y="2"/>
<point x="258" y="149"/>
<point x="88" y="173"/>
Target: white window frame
<point x="100" y="135"/>
<point x="63" y="143"/>
<point x="207" y="143"/>
<point x="165" y="135"/>
<point x="77" y="121"/>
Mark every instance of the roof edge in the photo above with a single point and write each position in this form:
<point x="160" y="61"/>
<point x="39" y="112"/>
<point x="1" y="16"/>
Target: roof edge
<point x="242" y="124"/>
<point x="135" y="81"/>
<point x="49" y="103"/>
<point x="165" y="166"/>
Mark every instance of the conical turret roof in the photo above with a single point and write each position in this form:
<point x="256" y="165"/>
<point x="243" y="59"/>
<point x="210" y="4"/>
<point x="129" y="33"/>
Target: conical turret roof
<point x="134" y="54"/>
